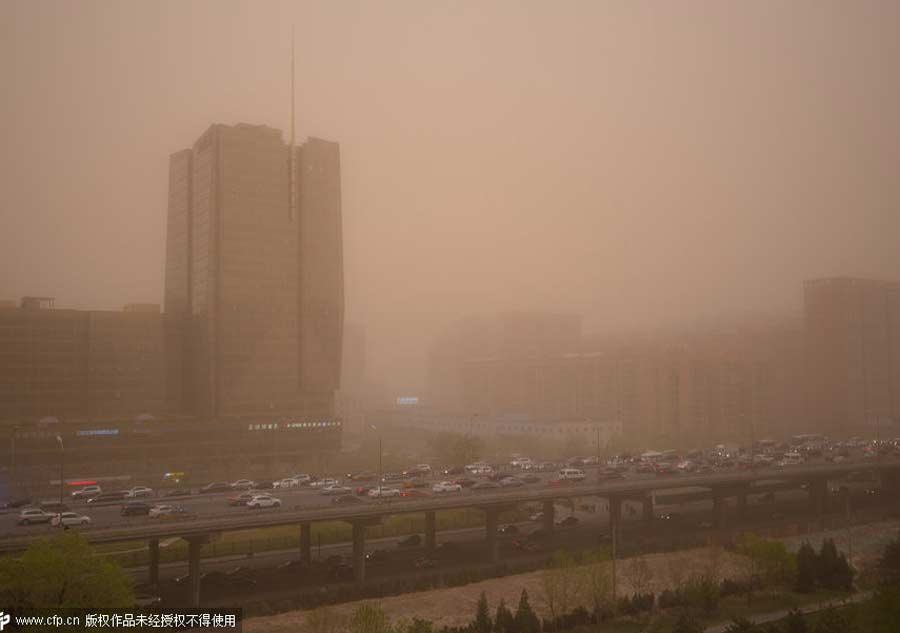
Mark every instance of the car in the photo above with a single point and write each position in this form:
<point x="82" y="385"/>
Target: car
<point x="108" y="498"/>
<point x="525" y="545"/>
<point x="30" y="516"/>
<point x="216" y="486"/>
<point x="705" y="525"/>
<point x="263" y="501"/>
<point x="363" y="490"/>
<point x="18" y="503"/>
<point x="346" y="500"/>
<point x="178" y="492"/>
<point x="363" y="475"/>
<point x="287" y="482"/>
<point x="410" y="541"/>
<point x="294" y="566"/>
<point x="511" y="482"/>
<point x="265" y="485"/>
<point x="382" y="492"/>
<point x="569" y="521"/>
<point x="87" y="492"/>
<point x="165" y="510"/>
<point x="138" y="492"/>
<point x="486" y="485"/>
<point x="446" y="486"/>
<point x="241" y="499"/>
<point x="146" y="600"/>
<point x="416" y="472"/>
<point x="570" y="474"/>
<point x="323" y="483"/>
<point x="454" y="470"/>
<point x="537" y="516"/>
<point x="529" y="478"/>
<point x="335" y="490"/>
<point x="466" y="482"/>
<point x="243" y="484"/>
<point x="342" y="571"/>
<point x="509" y="529"/>
<point x="70" y="519"/>
<point x="414" y="492"/>
<point x="135" y="508"/>
<point x="669" y="516"/>
<point x="302" y="479"/>
<point x="393" y="477"/>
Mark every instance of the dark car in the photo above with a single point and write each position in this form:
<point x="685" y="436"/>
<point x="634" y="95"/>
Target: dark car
<point x="346" y="500"/>
<point x="217" y="486"/>
<point x="107" y="497"/>
<point x="509" y="529"/>
<point x="135" y="508"/>
<point x="411" y="541"/>
<point x="363" y="490"/>
<point x="264" y="485"/>
<point x="454" y="470"/>
<point x="292" y="567"/>
<point x="240" y="500"/>
<point x="466" y="482"/>
<point x="529" y="478"/>
<point x="18" y="503"/>
<point x="376" y="556"/>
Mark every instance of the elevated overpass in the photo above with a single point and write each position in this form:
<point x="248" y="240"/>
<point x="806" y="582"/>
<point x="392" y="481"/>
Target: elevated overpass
<point x="721" y="486"/>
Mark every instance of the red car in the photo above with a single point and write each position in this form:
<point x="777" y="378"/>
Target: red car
<point x="414" y="492"/>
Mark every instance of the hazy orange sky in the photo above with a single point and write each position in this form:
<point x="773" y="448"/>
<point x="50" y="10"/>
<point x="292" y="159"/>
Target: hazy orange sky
<point x="636" y="162"/>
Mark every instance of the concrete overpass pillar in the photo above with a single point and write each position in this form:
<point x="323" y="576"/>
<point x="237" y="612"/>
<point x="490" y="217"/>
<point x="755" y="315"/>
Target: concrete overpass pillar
<point x="492" y="516"/>
<point x="154" y="562"/>
<point x="647" y="511"/>
<point x="817" y="489"/>
<point x="548" y="520"/>
<point x="306" y="543"/>
<point x="615" y="516"/>
<point x="742" y="504"/>
<point x="194" y="545"/>
<point x="719" y="509"/>
<point x="359" y="551"/>
<point x="430" y="532"/>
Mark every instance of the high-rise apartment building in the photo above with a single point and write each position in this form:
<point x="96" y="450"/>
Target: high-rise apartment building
<point x="852" y="343"/>
<point x="259" y="283"/>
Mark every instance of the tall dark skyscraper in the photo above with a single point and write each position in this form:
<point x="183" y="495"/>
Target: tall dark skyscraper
<point x="260" y="284"/>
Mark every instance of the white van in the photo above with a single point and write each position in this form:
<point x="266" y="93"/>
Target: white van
<point x="572" y="474"/>
<point x="791" y="459"/>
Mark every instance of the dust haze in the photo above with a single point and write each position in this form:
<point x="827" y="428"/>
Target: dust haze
<point x="639" y="163"/>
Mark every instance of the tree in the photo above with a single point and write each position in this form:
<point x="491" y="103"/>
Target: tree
<point x="62" y="572"/>
<point x="889" y="564"/>
<point x="562" y="584"/>
<point x="526" y="620"/>
<point x="504" y="620"/>
<point x="369" y="618"/>
<point x="597" y="579"/>
<point x="482" y="622"/>
<point x="416" y="625"/>
<point x="806" y="569"/>
<point x="638" y="574"/>
<point x="687" y="623"/>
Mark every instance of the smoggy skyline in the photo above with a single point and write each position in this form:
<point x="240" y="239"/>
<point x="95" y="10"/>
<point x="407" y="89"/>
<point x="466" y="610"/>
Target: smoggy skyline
<point x="638" y="163"/>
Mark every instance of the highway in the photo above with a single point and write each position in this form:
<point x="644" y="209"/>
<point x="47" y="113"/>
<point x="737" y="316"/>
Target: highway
<point x="211" y="513"/>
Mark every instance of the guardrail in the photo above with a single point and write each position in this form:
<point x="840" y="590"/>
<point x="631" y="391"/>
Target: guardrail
<point x="405" y="505"/>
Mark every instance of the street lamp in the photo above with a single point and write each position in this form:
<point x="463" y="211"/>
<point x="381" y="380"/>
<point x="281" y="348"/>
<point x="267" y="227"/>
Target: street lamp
<point x="13" y="473"/>
<point x="380" y="457"/>
<point x="62" y="481"/>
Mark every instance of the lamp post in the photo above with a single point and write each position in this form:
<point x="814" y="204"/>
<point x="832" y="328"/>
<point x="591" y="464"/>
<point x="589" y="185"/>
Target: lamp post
<point x="380" y="458"/>
<point x="14" y="480"/>
<point x="62" y="481"/>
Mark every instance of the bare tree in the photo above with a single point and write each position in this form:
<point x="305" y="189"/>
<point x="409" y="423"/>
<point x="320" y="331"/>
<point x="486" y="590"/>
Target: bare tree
<point x="562" y="583"/>
<point x="638" y="573"/>
<point x="597" y="579"/>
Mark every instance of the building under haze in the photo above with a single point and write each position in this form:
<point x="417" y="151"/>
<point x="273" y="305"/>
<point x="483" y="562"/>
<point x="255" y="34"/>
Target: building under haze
<point x="852" y="355"/>
<point x="238" y="374"/>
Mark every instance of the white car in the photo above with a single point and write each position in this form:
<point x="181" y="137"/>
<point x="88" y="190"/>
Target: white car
<point x="381" y="492"/>
<point x="571" y="474"/>
<point x="336" y="490"/>
<point x="686" y="466"/>
<point x="288" y="482"/>
<point x="302" y="479"/>
<point x="138" y="492"/>
<point x="69" y="519"/>
<point x="446" y="486"/>
<point x="424" y="467"/>
<point x="244" y="484"/>
<point x="28" y="516"/>
<point x="324" y="483"/>
<point x="164" y="510"/>
<point x="87" y="492"/>
<point x="264" y="501"/>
